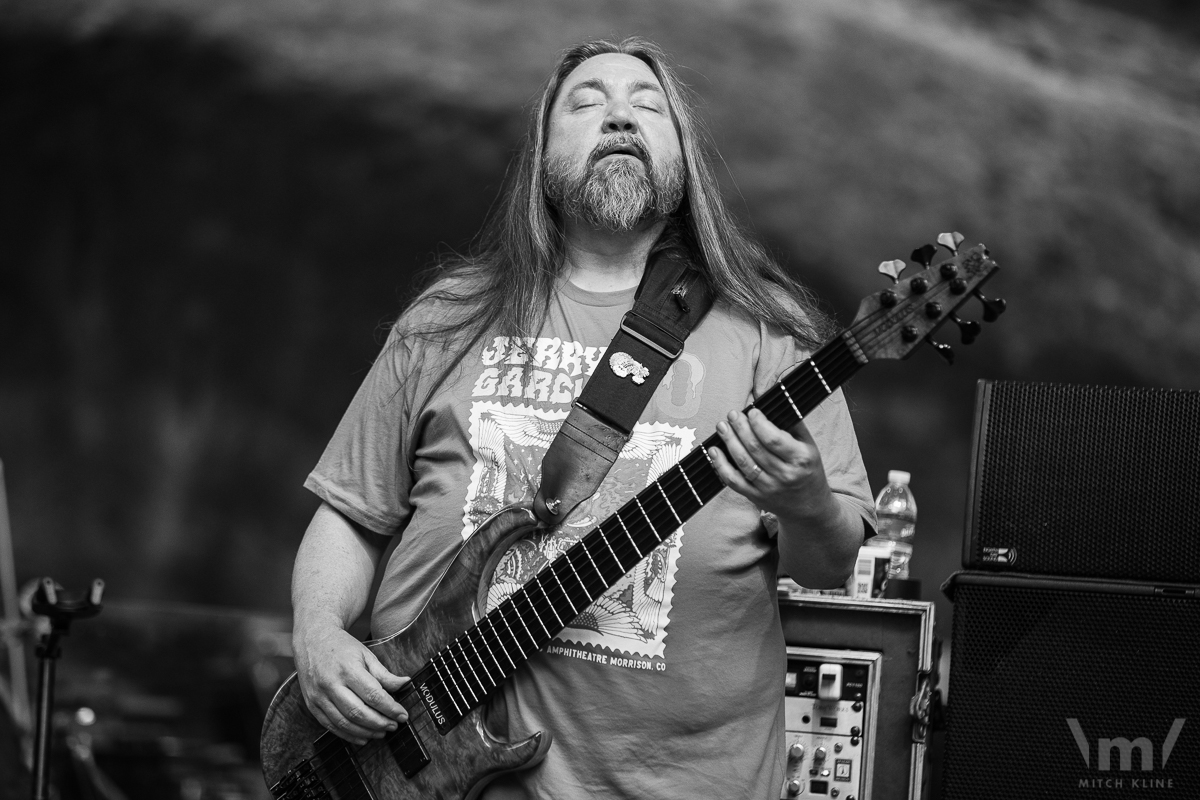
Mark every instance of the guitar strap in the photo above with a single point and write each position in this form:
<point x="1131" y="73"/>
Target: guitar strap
<point x="671" y="300"/>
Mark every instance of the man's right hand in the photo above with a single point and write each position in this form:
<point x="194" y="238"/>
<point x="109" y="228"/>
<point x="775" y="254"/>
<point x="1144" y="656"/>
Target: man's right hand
<point x="345" y="686"/>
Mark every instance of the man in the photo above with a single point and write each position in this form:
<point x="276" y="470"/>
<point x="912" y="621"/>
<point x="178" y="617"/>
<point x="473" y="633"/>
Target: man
<point x="669" y="684"/>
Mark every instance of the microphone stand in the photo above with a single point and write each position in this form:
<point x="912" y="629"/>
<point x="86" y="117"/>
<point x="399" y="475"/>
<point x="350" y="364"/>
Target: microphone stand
<point x="62" y="609"/>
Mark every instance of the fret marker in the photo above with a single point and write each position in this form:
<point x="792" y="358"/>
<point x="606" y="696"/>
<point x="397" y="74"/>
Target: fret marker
<point x="445" y="686"/>
<point x="557" y="580"/>
<point x="483" y="664"/>
<point x="636" y="549"/>
<point x="535" y="615"/>
<point x="688" y="481"/>
<point x="467" y="683"/>
<point x="515" y="639"/>
<point x="788" y="395"/>
<point x="599" y="574"/>
<point x="450" y="685"/>
<point x="491" y="653"/>
<point x="467" y="658"/>
<point x="500" y="642"/>
<point x="603" y="536"/>
<point x="822" y="377"/>
<point x="579" y="580"/>
<point x="538" y="580"/>
<point x="647" y="516"/>
<point x="664" y="494"/>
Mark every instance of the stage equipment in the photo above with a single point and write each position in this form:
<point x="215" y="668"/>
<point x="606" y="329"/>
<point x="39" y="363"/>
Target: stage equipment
<point x="61" y="609"/>
<point x="1085" y="481"/>
<point x="859" y="694"/>
<point x="1066" y="687"/>
<point x="169" y="699"/>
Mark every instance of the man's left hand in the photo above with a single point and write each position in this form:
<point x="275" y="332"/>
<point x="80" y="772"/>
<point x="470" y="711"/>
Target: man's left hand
<point x="780" y="471"/>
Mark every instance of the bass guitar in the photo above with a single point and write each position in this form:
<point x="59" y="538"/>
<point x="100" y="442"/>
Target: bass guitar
<point x="458" y="653"/>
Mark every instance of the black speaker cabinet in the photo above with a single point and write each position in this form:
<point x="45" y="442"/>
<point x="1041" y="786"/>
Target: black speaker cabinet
<point x="897" y="636"/>
<point x="1085" y="481"/>
<point x="1066" y="688"/>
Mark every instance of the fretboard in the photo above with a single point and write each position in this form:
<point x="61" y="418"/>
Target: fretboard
<point x="466" y="671"/>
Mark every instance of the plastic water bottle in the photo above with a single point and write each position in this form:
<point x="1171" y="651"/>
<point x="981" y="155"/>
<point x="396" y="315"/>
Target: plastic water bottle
<point x="896" y="512"/>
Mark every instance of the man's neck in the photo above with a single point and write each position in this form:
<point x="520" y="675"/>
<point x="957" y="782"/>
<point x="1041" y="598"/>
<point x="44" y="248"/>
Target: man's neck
<point x="600" y="260"/>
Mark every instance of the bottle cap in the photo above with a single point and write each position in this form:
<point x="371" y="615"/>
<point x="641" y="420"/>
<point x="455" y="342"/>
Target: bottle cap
<point x="899" y="476"/>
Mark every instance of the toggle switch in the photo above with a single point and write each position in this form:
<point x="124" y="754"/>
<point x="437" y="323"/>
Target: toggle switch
<point x="829" y="682"/>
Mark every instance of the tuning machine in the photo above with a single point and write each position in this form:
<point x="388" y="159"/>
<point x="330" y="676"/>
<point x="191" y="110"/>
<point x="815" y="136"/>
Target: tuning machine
<point x="969" y="329"/>
<point x="924" y="254"/>
<point x="943" y="350"/>
<point x="992" y="308"/>
<point x="892" y="269"/>
<point x="950" y="241"/>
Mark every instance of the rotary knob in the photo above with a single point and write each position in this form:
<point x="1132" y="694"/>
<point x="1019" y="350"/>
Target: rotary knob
<point x="796" y="752"/>
<point x="793" y="788"/>
<point x="819" y="754"/>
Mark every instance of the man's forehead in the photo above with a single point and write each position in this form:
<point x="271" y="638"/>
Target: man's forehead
<point x="612" y="68"/>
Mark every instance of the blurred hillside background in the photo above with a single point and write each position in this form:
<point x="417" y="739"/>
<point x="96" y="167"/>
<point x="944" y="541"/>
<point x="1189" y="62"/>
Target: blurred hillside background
<point x="210" y="210"/>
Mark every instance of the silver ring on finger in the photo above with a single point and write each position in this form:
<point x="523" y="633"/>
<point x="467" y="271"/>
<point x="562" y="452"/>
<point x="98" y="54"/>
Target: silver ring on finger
<point x="753" y="475"/>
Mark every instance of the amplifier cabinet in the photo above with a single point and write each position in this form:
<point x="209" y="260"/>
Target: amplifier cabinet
<point x="1085" y="481"/>
<point x="1071" y="688"/>
<point x="884" y="653"/>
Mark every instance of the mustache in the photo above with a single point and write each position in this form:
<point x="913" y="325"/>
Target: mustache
<point x="630" y="143"/>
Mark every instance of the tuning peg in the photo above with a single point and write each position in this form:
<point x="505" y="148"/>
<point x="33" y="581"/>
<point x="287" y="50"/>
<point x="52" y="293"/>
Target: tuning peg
<point x="950" y="241"/>
<point x="992" y="309"/>
<point x="924" y="254"/>
<point x="969" y="328"/>
<point x="892" y="269"/>
<point x="944" y="350"/>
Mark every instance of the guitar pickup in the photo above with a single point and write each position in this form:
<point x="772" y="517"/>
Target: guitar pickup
<point x="407" y="750"/>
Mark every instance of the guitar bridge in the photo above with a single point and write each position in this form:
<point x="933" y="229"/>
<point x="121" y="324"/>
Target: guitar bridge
<point x="332" y="774"/>
<point x="301" y="783"/>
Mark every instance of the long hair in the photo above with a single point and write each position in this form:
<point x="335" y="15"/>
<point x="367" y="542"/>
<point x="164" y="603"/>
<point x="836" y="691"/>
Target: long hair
<point x="506" y="282"/>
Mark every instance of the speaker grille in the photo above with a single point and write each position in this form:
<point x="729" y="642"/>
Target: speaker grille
<point x="1025" y="661"/>
<point x="1087" y="481"/>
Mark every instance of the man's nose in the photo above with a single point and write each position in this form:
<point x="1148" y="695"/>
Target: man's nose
<point x="619" y="119"/>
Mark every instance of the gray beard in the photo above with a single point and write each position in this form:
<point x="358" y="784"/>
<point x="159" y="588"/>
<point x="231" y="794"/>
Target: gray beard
<point x="618" y="194"/>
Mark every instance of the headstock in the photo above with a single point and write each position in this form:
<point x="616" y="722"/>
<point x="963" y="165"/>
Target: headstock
<point x="891" y="323"/>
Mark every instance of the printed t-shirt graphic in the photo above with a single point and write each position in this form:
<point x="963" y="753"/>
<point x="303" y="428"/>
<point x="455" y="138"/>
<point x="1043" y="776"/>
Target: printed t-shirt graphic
<point x="509" y="442"/>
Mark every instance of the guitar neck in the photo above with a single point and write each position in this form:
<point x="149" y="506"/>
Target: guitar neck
<point x="462" y="674"/>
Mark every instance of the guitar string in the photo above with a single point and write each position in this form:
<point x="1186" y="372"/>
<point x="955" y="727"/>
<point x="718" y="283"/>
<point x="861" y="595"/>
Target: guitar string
<point x="539" y="605"/>
<point x="670" y="476"/>
<point x="832" y="367"/>
<point x="841" y="360"/>
<point x="670" y="483"/>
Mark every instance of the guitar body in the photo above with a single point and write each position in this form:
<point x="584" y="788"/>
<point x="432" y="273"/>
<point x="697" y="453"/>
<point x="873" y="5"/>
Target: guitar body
<point x="462" y="761"/>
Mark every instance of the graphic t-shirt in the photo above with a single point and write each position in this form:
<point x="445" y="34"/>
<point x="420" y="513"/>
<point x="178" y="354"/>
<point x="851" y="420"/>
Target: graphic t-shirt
<point x="670" y="684"/>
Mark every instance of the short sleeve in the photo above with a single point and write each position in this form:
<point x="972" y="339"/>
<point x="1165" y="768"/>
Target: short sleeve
<point x="829" y="423"/>
<point x="364" y="472"/>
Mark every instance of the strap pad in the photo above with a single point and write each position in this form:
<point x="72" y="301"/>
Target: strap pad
<point x="671" y="301"/>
